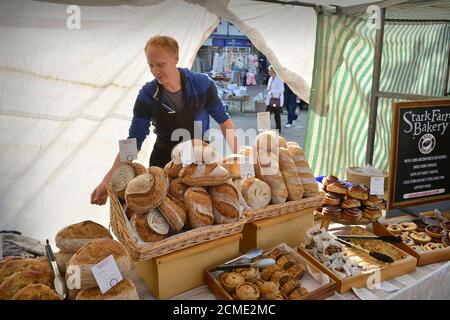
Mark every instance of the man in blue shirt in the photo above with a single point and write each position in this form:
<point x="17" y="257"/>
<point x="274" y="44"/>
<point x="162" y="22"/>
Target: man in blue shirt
<point x="176" y="99"/>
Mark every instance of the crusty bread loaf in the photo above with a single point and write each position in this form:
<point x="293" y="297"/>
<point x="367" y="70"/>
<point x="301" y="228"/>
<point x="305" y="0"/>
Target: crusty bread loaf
<point x="268" y="140"/>
<point x="267" y="170"/>
<point x="62" y="260"/>
<point x="6" y="259"/>
<point x="255" y="192"/>
<point x="172" y="169"/>
<point x="309" y="182"/>
<point x="174" y="214"/>
<point x="36" y="292"/>
<point x="204" y="175"/>
<point x="147" y="191"/>
<point x="282" y="142"/>
<point x="124" y="290"/>
<point x="290" y="175"/>
<point x="73" y="237"/>
<point x="225" y="199"/>
<point x="79" y="274"/>
<point x="146" y="233"/>
<point x="10" y="266"/>
<point x="232" y="165"/>
<point x="177" y="189"/>
<point x="199" y="206"/>
<point x="20" y="279"/>
<point x="123" y="175"/>
<point x="202" y="152"/>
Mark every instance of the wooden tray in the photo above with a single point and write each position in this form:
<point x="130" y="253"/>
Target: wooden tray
<point x="390" y="271"/>
<point x="423" y="258"/>
<point x="320" y="293"/>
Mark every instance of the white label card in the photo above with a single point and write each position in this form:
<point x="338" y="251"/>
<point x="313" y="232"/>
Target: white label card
<point x="128" y="150"/>
<point x="106" y="273"/>
<point x="263" y="119"/>
<point x="247" y="168"/>
<point x="364" y="294"/>
<point x="187" y="154"/>
<point x="377" y="185"/>
<point x="387" y="286"/>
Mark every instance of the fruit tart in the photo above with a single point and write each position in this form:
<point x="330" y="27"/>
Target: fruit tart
<point x="436" y="232"/>
<point x="420" y="237"/>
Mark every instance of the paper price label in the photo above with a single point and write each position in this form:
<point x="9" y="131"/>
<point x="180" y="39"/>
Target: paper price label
<point x="128" y="149"/>
<point x="106" y="273"/>
<point x="386" y="286"/>
<point x="377" y="185"/>
<point x="263" y="120"/>
<point x="247" y="169"/>
<point x="187" y="154"/>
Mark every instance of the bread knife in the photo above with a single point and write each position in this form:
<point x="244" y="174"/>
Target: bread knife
<point x="59" y="282"/>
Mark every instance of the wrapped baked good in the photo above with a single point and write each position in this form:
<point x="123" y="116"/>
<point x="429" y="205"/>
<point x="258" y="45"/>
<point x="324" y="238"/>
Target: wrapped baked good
<point x="62" y="260"/>
<point x="150" y="227"/>
<point x="202" y="152"/>
<point x="232" y="164"/>
<point x="267" y="170"/>
<point x="199" y="206"/>
<point x="124" y="173"/>
<point x="290" y="175"/>
<point x="256" y="193"/>
<point x="20" y="279"/>
<point x="73" y="237"/>
<point x="268" y="141"/>
<point x="204" y="175"/>
<point x="147" y="191"/>
<point x="172" y="169"/>
<point x="225" y="200"/>
<point x="124" y="290"/>
<point x="309" y="182"/>
<point x="91" y="254"/>
<point x="174" y="214"/>
<point x="36" y="292"/>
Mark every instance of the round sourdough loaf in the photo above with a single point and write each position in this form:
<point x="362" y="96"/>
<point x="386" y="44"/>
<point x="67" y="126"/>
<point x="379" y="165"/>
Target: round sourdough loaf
<point x="174" y="214"/>
<point x="123" y="175"/>
<point x="151" y="226"/>
<point x="255" y="192"/>
<point x="79" y="274"/>
<point x="124" y="290"/>
<point x="36" y="292"/>
<point x="73" y="237"/>
<point x="172" y="169"/>
<point x="62" y="260"/>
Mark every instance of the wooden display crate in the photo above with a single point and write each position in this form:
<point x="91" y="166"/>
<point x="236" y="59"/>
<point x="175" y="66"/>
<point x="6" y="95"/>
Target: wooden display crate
<point x="390" y="271"/>
<point x="171" y="274"/>
<point x="423" y="258"/>
<point x="289" y="228"/>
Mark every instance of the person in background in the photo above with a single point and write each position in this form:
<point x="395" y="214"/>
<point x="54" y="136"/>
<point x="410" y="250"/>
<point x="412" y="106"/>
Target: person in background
<point x="275" y="97"/>
<point x="290" y="102"/>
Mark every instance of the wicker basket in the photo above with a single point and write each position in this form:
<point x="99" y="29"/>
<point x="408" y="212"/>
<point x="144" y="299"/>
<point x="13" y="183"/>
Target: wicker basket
<point x="148" y="250"/>
<point x="274" y="210"/>
<point x="355" y="177"/>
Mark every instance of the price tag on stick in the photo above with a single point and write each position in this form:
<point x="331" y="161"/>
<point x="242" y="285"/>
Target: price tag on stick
<point x="128" y="150"/>
<point x="106" y="273"/>
<point x="377" y="185"/>
<point x="263" y="119"/>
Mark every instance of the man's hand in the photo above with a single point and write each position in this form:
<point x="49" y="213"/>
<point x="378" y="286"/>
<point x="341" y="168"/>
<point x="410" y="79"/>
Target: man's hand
<point x="100" y="194"/>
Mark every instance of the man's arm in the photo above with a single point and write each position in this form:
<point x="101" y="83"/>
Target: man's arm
<point x="228" y="132"/>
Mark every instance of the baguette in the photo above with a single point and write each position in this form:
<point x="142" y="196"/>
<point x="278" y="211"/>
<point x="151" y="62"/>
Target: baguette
<point x="309" y="182"/>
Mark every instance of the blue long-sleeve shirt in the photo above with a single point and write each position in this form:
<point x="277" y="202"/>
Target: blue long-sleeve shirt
<point x="201" y="98"/>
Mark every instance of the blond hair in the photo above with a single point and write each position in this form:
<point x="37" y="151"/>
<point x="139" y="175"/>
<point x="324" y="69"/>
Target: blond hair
<point x="166" y="42"/>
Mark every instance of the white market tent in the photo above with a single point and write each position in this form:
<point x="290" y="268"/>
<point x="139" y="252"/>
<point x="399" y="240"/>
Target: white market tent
<point x="67" y="93"/>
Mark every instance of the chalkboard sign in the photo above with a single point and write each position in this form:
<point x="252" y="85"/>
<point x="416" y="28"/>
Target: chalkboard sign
<point x="420" y="153"/>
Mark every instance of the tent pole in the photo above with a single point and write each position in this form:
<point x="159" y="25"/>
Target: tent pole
<point x="447" y="73"/>
<point x="375" y="88"/>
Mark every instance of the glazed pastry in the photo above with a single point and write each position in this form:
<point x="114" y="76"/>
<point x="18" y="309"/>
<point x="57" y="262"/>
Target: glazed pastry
<point x="350" y="203"/>
<point x="296" y="272"/>
<point x="268" y="289"/>
<point x="280" y="276"/>
<point x="231" y="280"/>
<point x="331" y="199"/>
<point x="337" y="187"/>
<point x="383" y="204"/>
<point x="352" y="214"/>
<point x="298" y="293"/>
<point x="319" y="209"/>
<point x="409" y="242"/>
<point x="408" y="226"/>
<point x="286" y="261"/>
<point x="247" y="291"/>
<point x="435" y="232"/>
<point x="371" y="212"/>
<point x="358" y="192"/>
<point x="288" y="287"/>
<point x="266" y="273"/>
<point x="433" y="246"/>
<point x="420" y="237"/>
<point x="329" y="180"/>
<point x="332" y="212"/>
<point x="249" y="274"/>
<point x="394" y="229"/>
<point x="420" y="225"/>
<point x="372" y="200"/>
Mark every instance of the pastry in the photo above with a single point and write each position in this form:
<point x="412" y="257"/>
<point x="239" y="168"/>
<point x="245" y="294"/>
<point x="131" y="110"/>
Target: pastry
<point x="204" y="175"/>
<point x="329" y="180"/>
<point x="255" y="192"/>
<point x="433" y="246"/>
<point x="383" y="204"/>
<point x="285" y="261"/>
<point x="298" y="293"/>
<point x="172" y="169"/>
<point x="352" y="214"/>
<point x="200" y="207"/>
<point x="338" y="187"/>
<point x="331" y="199"/>
<point x="276" y="253"/>
<point x="290" y="175"/>
<point x="73" y="237"/>
<point x="288" y="287"/>
<point x="231" y="280"/>
<point x="332" y="212"/>
<point x="150" y="227"/>
<point x="435" y="232"/>
<point x="36" y="292"/>
<point x="124" y="290"/>
<point x="266" y="273"/>
<point x="280" y="297"/>
<point x="296" y="272"/>
<point x="420" y="237"/>
<point x="225" y="199"/>
<point x="372" y="212"/>
<point x="268" y="289"/>
<point x="249" y="274"/>
<point x="358" y="192"/>
<point x="446" y="240"/>
<point x="394" y="229"/>
<point x="175" y="215"/>
<point x="409" y="242"/>
<point x="279" y="276"/>
<point x="446" y="225"/>
<point x="372" y="201"/>
<point x="350" y="203"/>
<point x="408" y="226"/>
<point x="247" y="291"/>
<point x="420" y="225"/>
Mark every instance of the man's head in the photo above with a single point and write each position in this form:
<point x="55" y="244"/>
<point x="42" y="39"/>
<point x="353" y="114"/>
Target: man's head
<point x="162" y="57"/>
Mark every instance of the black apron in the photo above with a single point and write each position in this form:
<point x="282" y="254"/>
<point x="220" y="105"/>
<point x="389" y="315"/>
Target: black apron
<point x="165" y="124"/>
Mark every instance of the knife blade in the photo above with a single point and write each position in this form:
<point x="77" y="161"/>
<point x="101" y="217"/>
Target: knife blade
<point x="59" y="282"/>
